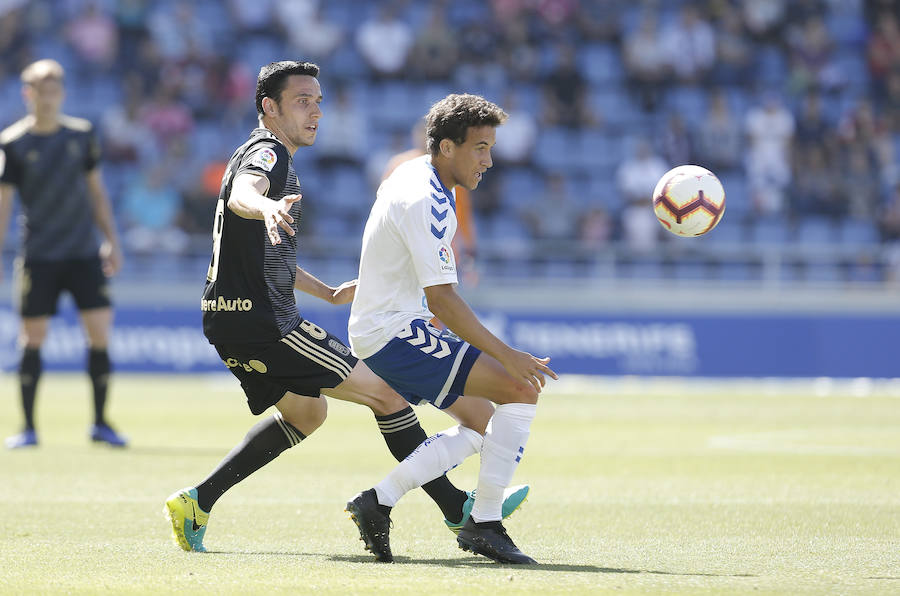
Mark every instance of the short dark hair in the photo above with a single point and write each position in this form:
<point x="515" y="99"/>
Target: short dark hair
<point x="273" y="78"/>
<point x="451" y="118"/>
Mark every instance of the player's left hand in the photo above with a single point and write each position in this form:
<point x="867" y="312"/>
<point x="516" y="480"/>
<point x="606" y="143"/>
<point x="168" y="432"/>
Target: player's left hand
<point x="344" y="293"/>
<point x="110" y="258"/>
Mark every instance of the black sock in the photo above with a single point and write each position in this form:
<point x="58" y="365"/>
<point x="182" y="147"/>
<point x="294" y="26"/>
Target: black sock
<point x="403" y="433"/>
<point x="98" y="369"/>
<point x="29" y="374"/>
<point x="263" y="443"/>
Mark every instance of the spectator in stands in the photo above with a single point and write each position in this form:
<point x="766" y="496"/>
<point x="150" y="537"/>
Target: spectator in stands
<point x="175" y="29"/>
<point x="815" y="190"/>
<point x="860" y="185"/>
<point x="14" y="42"/>
<point x="689" y="45"/>
<point x="126" y="138"/>
<point x="812" y="58"/>
<point x="94" y="36"/>
<point x="595" y="230"/>
<point x="342" y="140"/>
<point x="719" y="142"/>
<point x="166" y="117"/>
<point x="198" y="202"/>
<point x="645" y="60"/>
<point x="600" y="21"/>
<point x="565" y="93"/>
<point x="677" y="141"/>
<point x="764" y="18"/>
<point x="553" y="217"/>
<point x="481" y="57"/>
<point x="150" y="209"/>
<point x="252" y="18"/>
<point x="883" y="52"/>
<point x="306" y="28"/>
<point x="812" y="129"/>
<point x="889" y="227"/>
<point x="734" y="51"/>
<point x="637" y="175"/>
<point x="516" y="139"/>
<point x="435" y="50"/>
<point x="384" y="42"/>
<point x="770" y="131"/>
<point x="520" y="55"/>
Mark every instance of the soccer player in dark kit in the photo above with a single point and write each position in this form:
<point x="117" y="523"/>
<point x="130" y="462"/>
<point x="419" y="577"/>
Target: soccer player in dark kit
<point x="53" y="160"/>
<point x="250" y="314"/>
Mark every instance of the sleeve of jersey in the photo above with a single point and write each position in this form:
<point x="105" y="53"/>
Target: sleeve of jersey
<point x="269" y="160"/>
<point x="7" y="167"/>
<point x="426" y="230"/>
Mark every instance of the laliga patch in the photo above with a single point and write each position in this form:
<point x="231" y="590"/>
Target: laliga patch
<point x="446" y="259"/>
<point x="265" y="159"/>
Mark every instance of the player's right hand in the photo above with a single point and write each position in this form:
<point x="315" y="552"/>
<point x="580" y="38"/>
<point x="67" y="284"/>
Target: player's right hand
<point x="530" y="369"/>
<point x="278" y="216"/>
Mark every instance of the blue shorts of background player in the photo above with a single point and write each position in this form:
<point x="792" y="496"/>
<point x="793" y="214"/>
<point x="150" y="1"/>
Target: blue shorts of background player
<point x="425" y="364"/>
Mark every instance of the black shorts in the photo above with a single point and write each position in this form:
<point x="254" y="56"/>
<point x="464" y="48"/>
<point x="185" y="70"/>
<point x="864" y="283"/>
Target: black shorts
<point x="40" y="283"/>
<point x="305" y="361"/>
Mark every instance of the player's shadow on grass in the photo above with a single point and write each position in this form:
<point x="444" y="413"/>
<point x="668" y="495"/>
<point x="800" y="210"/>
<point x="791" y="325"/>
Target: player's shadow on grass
<point x="474" y="562"/>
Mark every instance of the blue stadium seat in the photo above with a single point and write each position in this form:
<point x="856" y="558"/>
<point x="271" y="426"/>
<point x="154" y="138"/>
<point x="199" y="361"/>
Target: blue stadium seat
<point x="555" y="149"/>
<point x="816" y="230"/>
<point x="689" y="101"/>
<point x="729" y="231"/>
<point x="771" y="65"/>
<point x="598" y="150"/>
<point x="601" y="64"/>
<point x="347" y="189"/>
<point x="858" y="232"/>
<point x="769" y="230"/>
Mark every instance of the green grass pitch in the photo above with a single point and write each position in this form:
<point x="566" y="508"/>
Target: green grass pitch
<point x="638" y="486"/>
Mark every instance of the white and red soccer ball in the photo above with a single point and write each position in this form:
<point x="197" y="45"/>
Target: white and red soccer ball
<point x="689" y="200"/>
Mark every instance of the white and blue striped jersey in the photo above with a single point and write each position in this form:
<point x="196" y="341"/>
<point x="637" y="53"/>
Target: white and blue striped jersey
<point x="405" y="248"/>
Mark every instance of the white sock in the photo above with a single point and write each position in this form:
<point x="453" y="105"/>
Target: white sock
<point x="435" y="456"/>
<point x="504" y="446"/>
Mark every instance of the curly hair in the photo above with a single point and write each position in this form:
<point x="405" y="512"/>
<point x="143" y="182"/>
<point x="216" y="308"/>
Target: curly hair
<point x="451" y="118"/>
<point x="273" y="78"/>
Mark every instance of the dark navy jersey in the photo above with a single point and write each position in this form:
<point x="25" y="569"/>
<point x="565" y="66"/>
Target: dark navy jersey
<point x="49" y="171"/>
<point x="249" y="294"/>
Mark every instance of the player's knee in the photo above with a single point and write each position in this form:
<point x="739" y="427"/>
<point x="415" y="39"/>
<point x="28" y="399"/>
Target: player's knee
<point x="306" y="416"/>
<point x="522" y="393"/>
<point x="387" y="401"/>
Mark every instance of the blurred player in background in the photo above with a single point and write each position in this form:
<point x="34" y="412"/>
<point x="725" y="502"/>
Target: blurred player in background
<point x="250" y="313"/>
<point x="407" y="275"/>
<point x="53" y="160"/>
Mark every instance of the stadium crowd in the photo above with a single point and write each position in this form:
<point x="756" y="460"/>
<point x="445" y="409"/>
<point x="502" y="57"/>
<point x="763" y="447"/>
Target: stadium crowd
<point x="795" y="105"/>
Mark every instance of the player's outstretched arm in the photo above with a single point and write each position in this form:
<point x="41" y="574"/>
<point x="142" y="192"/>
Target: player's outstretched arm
<point x="248" y="200"/>
<point x="110" y="250"/>
<point x="453" y="311"/>
<point x="309" y="283"/>
<point x="7" y="192"/>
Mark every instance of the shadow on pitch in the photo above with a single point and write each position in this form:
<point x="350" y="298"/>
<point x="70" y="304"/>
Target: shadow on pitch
<point x="479" y="562"/>
<point x="476" y="562"/>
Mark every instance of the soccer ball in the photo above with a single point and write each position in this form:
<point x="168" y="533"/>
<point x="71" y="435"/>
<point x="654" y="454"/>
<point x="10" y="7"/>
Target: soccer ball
<point x="689" y="200"/>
